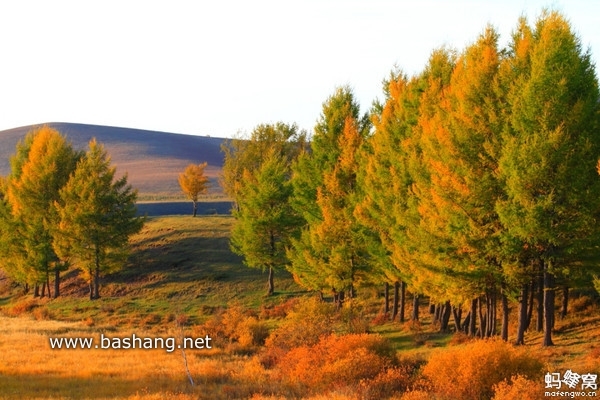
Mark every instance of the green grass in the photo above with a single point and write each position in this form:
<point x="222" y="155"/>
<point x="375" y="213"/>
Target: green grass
<point x="178" y="265"/>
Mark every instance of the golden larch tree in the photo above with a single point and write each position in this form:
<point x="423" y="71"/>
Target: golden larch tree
<point x="194" y="182"/>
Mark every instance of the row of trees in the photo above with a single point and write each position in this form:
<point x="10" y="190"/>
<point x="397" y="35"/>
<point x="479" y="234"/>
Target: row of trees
<point x="473" y="182"/>
<point x="60" y="208"/>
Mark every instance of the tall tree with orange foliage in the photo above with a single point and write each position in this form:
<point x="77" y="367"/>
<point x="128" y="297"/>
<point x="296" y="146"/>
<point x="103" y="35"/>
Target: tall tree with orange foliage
<point x="40" y="168"/>
<point x="317" y="175"/>
<point x="550" y="154"/>
<point x="194" y="182"/>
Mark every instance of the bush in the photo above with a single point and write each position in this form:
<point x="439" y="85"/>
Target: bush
<point x="470" y="372"/>
<point x="337" y="361"/>
<point x="305" y="325"/>
<point x="519" y="388"/>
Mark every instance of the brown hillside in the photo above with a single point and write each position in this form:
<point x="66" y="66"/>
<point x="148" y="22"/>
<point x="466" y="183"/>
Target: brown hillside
<point x="151" y="159"/>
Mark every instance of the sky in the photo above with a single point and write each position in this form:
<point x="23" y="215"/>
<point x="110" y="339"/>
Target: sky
<point x="221" y="68"/>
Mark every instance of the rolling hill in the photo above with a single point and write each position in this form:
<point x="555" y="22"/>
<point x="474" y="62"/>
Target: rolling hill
<point x="151" y="159"/>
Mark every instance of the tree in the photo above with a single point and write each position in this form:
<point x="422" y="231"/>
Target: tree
<point x="256" y="175"/>
<point x="550" y="153"/>
<point x="40" y="168"/>
<point x="193" y="182"/>
<point x="313" y="195"/>
<point x="266" y="222"/>
<point x="97" y="217"/>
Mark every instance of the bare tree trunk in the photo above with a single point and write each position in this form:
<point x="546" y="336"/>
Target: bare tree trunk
<point x="271" y="286"/>
<point x="457" y="313"/>
<point x="386" y="298"/>
<point x="195" y="211"/>
<point x="540" y="298"/>
<point x="445" y="317"/>
<point x="504" y="331"/>
<point x="396" y="300"/>
<point x="522" y="314"/>
<point x="402" y="300"/>
<point x="565" y="302"/>
<point x="473" y="320"/>
<point x="56" y="282"/>
<point x="548" y="304"/>
<point x="415" y="310"/>
<point x="482" y="321"/>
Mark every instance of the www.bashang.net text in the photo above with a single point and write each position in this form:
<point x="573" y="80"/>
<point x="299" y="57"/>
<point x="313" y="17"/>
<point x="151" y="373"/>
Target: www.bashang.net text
<point x="130" y="342"/>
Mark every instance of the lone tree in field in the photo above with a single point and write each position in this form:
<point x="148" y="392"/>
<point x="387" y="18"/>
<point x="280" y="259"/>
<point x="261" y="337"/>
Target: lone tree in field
<point x="193" y="182"/>
<point x="97" y="217"/>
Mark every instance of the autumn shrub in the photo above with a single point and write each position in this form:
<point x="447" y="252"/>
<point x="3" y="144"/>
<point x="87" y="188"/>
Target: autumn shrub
<point x="387" y="382"/>
<point x="471" y="371"/>
<point x="236" y="328"/>
<point x="518" y="388"/>
<point x="337" y="361"/>
<point x="23" y="307"/>
<point x="304" y="325"/>
<point x="278" y="311"/>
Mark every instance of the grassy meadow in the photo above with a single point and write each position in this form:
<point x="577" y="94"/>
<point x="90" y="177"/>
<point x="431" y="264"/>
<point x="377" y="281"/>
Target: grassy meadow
<point x="183" y="281"/>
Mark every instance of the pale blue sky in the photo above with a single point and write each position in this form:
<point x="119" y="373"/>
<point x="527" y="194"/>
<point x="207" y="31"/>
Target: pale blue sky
<point x="222" y="67"/>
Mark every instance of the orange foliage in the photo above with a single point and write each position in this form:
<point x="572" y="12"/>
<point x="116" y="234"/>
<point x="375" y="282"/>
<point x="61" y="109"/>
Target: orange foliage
<point x="470" y="372"/>
<point x="337" y="360"/>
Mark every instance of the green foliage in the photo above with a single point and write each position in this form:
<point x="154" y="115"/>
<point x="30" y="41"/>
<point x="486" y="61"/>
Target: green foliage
<point x="97" y="217"/>
<point x="40" y="168"/>
<point x="256" y="174"/>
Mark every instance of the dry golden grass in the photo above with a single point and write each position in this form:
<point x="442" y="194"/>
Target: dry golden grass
<point x="31" y="369"/>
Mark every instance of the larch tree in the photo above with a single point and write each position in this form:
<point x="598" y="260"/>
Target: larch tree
<point x="266" y="222"/>
<point x="256" y="174"/>
<point x="309" y="176"/>
<point x="40" y="168"/>
<point x="193" y="183"/>
<point x="385" y="182"/>
<point x="97" y="216"/>
<point x="550" y="153"/>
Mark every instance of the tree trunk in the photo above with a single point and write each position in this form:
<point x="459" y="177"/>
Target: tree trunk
<point x="505" y="311"/>
<point x="56" y="282"/>
<point x="91" y="284"/>
<point x="36" y="290"/>
<point x="195" y="211"/>
<point x="386" y="298"/>
<point x="540" y="299"/>
<point x="522" y="314"/>
<point x="415" y="310"/>
<point x="43" y="290"/>
<point x="396" y="299"/>
<point x="482" y="320"/>
<point x="466" y="326"/>
<point x="271" y="285"/>
<point x="431" y="307"/>
<point x="565" y="302"/>
<point x="457" y="313"/>
<point x="402" y="300"/>
<point x="445" y="317"/>
<point x="530" y="303"/>
<point x="473" y="320"/>
<point x="548" y="304"/>
<point x="97" y="282"/>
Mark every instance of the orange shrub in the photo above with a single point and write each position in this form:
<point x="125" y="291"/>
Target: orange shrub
<point x="337" y="361"/>
<point x="305" y="325"/>
<point x="519" y="388"/>
<point x="471" y="371"/>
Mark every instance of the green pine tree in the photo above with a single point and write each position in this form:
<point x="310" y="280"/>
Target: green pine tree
<point x="97" y="217"/>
